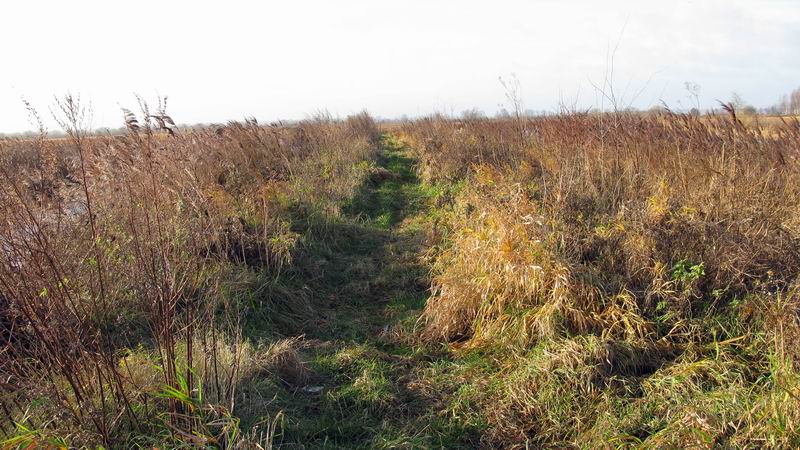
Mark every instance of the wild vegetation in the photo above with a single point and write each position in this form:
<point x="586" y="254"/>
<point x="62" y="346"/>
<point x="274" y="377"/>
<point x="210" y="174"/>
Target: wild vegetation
<point x="633" y="278"/>
<point x="579" y="280"/>
<point x="131" y="265"/>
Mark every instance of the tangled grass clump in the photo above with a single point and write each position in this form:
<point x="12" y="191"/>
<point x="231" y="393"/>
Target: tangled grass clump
<point x="635" y="276"/>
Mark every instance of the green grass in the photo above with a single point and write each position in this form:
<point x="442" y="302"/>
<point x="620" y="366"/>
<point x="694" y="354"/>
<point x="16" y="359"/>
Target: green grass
<point x="367" y="283"/>
<point x="386" y="204"/>
<point x="361" y="277"/>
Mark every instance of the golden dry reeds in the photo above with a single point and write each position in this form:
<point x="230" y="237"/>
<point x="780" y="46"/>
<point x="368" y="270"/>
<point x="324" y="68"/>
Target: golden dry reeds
<point x="596" y="254"/>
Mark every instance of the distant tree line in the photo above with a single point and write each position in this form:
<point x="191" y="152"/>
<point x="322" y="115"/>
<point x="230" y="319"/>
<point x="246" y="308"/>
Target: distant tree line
<point x="788" y="104"/>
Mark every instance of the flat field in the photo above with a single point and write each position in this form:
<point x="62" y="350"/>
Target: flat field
<point x="573" y="281"/>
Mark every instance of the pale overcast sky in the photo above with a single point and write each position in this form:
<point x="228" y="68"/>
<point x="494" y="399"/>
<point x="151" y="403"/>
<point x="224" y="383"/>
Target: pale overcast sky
<point x="225" y="60"/>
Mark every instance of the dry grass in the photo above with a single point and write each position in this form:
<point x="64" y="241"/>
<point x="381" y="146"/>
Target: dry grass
<point x="111" y="243"/>
<point x="604" y="255"/>
<point x="598" y="280"/>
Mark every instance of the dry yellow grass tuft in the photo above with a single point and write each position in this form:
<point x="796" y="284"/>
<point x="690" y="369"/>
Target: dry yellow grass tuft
<point x="633" y="275"/>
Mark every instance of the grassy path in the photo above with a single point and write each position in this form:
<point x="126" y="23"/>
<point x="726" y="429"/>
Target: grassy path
<point x="358" y="387"/>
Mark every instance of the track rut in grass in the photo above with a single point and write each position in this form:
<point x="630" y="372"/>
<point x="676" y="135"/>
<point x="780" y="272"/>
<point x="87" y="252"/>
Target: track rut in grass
<point x="355" y="384"/>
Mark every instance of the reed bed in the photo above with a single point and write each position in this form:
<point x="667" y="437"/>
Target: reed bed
<point x="634" y="277"/>
<point x="128" y="262"/>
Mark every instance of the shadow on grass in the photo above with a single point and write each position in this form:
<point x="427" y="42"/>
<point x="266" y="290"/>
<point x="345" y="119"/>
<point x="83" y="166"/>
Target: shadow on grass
<point x="386" y="202"/>
<point x="357" y="274"/>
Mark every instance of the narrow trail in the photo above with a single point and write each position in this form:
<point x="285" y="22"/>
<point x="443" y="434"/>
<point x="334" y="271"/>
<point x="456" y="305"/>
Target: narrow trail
<point x="360" y="388"/>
